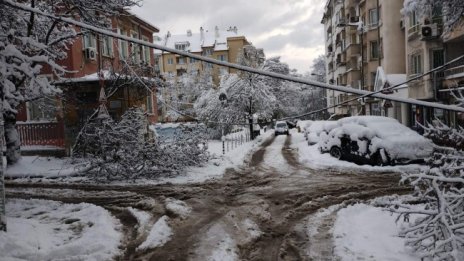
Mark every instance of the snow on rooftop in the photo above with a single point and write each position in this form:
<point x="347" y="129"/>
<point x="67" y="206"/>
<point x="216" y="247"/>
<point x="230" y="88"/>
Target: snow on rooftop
<point x="215" y="38"/>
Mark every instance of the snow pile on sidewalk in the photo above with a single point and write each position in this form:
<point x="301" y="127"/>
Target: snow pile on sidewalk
<point x="363" y="232"/>
<point x="178" y="207"/>
<point x="50" y="230"/>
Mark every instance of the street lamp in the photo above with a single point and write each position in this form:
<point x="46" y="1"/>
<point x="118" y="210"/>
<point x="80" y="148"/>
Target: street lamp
<point x="223" y="99"/>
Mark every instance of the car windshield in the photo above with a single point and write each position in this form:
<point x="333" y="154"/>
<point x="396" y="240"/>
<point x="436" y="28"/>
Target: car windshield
<point x="281" y="125"/>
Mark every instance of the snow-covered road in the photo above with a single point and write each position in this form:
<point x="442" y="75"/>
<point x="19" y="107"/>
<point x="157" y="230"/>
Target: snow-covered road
<point x="267" y="209"/>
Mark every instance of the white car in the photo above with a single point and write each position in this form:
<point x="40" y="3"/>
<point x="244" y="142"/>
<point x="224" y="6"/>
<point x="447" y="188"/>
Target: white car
<point x="281" y="127"/>
<point x="375" y="140"/>
<point x="315" y="128"/>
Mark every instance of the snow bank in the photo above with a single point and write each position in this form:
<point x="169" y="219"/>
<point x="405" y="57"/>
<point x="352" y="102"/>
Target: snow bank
<point x="363" y="232"/>
<point x="160" y="233"/>
<point x="50" y="230"/>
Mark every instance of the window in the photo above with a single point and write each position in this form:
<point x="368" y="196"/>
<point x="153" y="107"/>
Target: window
<point x="413" y="19"/>
<point x="146" y="57"/>
<point x="415" y="66"/>
<point x="43" y="109"/>
<point x="181" y="60"/>
<point x="181" y="46"/>
<point x="150" y="103"/>
<point x="208" y="51"/>
<point x="123" y="46"/>
<point x="373" y="78"/>
<point x="135" y="48"/>
<point x="89" y="40"/>
<point x="193" y="60"/>
<point x="107" y="46"/>
<point x="374" y="46"/>
<point x="374" y="17"/>
<point x="222" y="57"/>
<point x="170" y="61"/>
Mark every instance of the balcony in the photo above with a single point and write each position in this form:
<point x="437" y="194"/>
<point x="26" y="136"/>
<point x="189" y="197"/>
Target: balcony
<point x="454" y="76"/>
<point x="353" y="50"/>
<point x="414" y="31"/>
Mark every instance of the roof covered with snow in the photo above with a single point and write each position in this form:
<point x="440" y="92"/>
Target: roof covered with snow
<point x="383" y="80"/>
<point x="215" y="38"/>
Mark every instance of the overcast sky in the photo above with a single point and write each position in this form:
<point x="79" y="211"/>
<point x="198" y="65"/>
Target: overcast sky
<point x="290" y="29"/>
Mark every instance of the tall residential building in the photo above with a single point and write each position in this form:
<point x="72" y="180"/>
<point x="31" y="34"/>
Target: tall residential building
<point x="428" y="47"/>
<point x="361" y="36"/>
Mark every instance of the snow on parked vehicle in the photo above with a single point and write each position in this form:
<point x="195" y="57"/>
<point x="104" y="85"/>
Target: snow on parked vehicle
<point x="375" y="140"/>
<point x="315" y="128"/>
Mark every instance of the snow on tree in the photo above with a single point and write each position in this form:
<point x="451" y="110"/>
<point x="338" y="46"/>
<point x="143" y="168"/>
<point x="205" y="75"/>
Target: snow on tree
<point x="123" y="151"/>
<point x="31" y="45"/>
<point x="245" y="94"/>
<point x="435" y="210"/>
<point x="451" y="11"/>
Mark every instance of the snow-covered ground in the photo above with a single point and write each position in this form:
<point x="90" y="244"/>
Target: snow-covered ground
<point x="311" y="157"/>
<point x="58" y="231"/>
<point x="364" y="232"/>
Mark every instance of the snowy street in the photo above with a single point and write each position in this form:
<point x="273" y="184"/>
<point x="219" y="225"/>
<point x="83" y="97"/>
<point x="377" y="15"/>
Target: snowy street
<point x="273" y="207"/>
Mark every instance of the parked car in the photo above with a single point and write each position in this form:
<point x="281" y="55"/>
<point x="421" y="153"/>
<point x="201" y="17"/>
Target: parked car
<point x="375" y="140"/>
<point x="281" y="127"/>
<point x="314" y="129"/>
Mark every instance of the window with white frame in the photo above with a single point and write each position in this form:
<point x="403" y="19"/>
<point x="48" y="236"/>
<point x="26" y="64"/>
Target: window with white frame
<point x="107" y="46"/>
<point x="181" y="46"/>
<point x="374" y="17"/>
<point x="413" y="21"/>
<point x="208" y="51"/>
<point x="89" y="40"/>
<point x="135" y="48"/>
<point x="43" y="109"/>
<point x="415" y="64"/>
<point x="123" y="45"/>
<point x="170" y="61"/>
<point x="146" y="57"/>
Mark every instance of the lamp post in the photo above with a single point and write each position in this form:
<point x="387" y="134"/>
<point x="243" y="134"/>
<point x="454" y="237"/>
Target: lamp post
<point x="223" y="99"/>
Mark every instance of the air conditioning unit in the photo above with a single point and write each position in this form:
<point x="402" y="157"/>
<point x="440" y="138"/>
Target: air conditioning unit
<point x="354" y="19"/>
<point x="90" y="53"/>
<point x="429" y="31"/>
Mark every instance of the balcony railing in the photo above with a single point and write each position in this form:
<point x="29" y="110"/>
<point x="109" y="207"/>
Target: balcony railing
<point x="41" y="133"/>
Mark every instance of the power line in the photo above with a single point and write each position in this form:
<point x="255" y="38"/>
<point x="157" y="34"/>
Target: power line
<point x="394" y="87"/>
<point x="235" y="66"/>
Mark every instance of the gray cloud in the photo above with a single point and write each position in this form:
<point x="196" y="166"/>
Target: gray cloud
<point x="257" y="20"/>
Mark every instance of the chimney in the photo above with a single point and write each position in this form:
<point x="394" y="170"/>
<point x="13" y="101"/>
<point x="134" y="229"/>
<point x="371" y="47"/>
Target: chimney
<point x="216" y="32"/>
<point x="189" y="33"/>
<point x="202" y="34"/>
<point x="168" y="34"/>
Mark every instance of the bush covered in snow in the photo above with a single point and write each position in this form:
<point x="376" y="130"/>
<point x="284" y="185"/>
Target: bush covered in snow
<point x="124" y="150"/>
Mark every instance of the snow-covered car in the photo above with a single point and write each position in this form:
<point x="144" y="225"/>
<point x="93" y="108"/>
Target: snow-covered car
<point x="316" y="128"/>
<point x="375" y="140"/>
<point x="281" y="128"/>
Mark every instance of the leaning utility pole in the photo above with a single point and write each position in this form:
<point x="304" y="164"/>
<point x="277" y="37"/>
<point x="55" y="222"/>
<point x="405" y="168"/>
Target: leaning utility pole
<point x="2" y="172"/>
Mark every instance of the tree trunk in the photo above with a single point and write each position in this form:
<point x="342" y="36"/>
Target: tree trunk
<point x="2" y="184"/>
<point x="13" y="145"/>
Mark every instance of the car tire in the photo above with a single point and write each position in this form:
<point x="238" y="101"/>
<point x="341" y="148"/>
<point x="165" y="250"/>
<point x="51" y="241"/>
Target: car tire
<point x="378" y="160"/>
<point x="336" y="152"/>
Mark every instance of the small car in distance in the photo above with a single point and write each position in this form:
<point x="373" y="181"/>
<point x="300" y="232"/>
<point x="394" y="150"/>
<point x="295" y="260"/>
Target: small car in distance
<point x="281" y="127"/>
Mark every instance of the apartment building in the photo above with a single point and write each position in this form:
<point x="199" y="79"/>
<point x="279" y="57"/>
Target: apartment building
<point x="428" y="47"/>
<point x="95" y="63"/>
<point x="362" y="36"/>
<point x="223" y="45"/>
